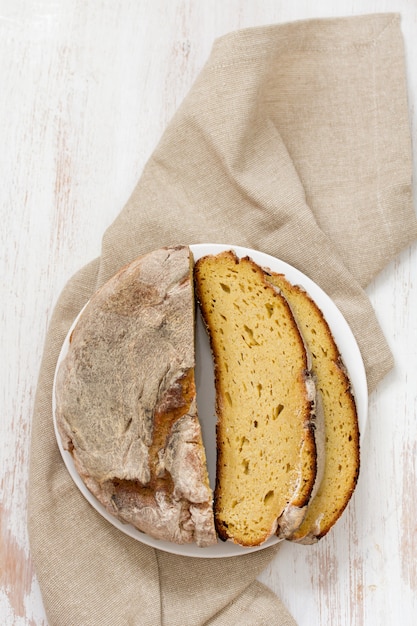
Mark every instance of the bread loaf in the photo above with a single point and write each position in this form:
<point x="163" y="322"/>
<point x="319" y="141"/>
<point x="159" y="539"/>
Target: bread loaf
<point x="266" y="455"/>
<point x="126" y="403"/>
<point x="341" y="457"/>
<point x="126" y="400"/>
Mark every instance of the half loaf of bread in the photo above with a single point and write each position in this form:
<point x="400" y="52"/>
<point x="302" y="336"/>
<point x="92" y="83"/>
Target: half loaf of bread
<point x="341" y="456"/>
<point x="266" y="455"/>
<point x="126" y="400"/>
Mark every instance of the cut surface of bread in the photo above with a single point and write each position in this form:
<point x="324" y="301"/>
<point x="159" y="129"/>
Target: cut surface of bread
<point x="126" y="400"/>
<point x="266" y="455"/>
<point x="341" y="465"/>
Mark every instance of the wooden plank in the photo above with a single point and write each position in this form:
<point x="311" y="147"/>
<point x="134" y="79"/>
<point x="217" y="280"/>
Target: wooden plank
<point x="86" y="91"/>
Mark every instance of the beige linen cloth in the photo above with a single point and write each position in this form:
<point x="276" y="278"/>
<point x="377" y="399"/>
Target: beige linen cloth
<point x="294" y="140"/>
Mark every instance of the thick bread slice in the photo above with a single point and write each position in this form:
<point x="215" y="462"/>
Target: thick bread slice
<point x="266" y="456"/>
<point x="341" y="466"/>
<point x="126" y="400"/>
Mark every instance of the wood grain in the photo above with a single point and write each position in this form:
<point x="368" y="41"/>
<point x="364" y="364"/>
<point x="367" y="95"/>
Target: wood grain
<point x="87" y="89"/>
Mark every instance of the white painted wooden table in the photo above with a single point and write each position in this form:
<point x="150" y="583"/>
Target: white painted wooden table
<point x="86" y="90"/>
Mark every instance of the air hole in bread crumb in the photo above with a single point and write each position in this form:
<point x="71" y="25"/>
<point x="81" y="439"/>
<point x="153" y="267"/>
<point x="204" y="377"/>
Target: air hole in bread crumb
<point x="228" y="398"/>
<point x="278" y="409"/>
<point x="269" y="309"/>
<point x="243" y="441"/>
<point x="268" y="496"/>
<point x="250" y="341"/>
<point x="225" y="288"/>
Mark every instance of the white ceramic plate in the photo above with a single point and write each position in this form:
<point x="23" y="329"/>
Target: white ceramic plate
<point x="205" y="395"/>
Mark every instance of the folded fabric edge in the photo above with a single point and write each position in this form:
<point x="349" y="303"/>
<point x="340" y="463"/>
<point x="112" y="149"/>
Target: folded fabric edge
<point x="325" y="33"/>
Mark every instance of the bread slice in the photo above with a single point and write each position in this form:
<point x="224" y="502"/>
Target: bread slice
<point x="126" y="400"/>
<point x="341" y="465"/>
<point x="266" y="455"/>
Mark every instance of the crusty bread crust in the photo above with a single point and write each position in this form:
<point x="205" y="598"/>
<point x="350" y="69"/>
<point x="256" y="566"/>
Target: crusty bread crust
<point x="126" y="400"/>
<point x="266" y="454"/>
<point x="341" y="466"/>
